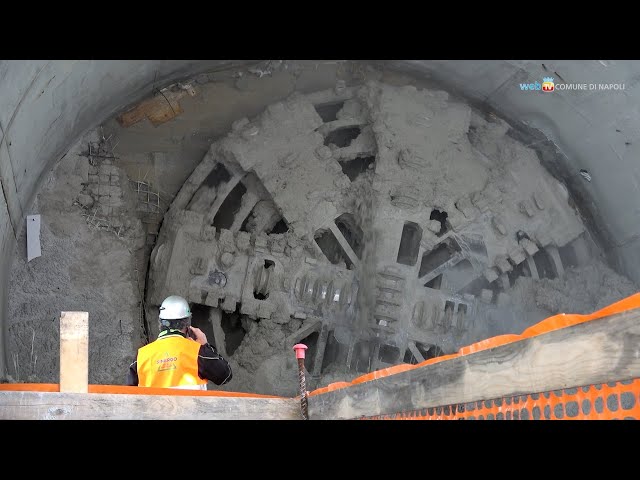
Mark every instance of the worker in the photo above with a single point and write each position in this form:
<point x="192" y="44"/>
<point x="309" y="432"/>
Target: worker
<point x="181" y="356"/>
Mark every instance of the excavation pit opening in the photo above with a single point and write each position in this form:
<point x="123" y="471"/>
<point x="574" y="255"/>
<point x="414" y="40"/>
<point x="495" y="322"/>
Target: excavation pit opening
<point x="429" y="351"/>
<point x="409" y="244"/>
<point x="331" y="248"/>
<point x="568" y="256"/>
<point x="476" y="286"/>
<point x="435" y="283"/>
<point x="362" y="356"/>
<point x="441" y="254"/>
<point x="261" y="283"/>
<point x="229" y="207"/>
<point x="357" y="166"/>
<point x="440" y="216"/>
<point x="460" y="316"/>
<point x="520" y="270"/>
<point x="203" y="196"/>
<point x="233" y="329"/>
<point x="311" y="342"/>
<point x="200" y="318"/>
<point x="329" y="111"/>
<point x="460" y="275"/>
<point x="279" y="228"/>
<point x="544" y="264"/>
<point x="342" y="137"/>
<point x="334" y="353"/>
<point x="426" y="350"/>
<point x="409" y="357"/>
<point x="351" y="232"/>
<point x="389" y="354"/>
<point x="449" y="308"/>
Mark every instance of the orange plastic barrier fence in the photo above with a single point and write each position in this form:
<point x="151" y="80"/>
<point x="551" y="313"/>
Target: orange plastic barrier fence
<point x="531" y="404"/>
<point x="613" y="401"/>
<point x="547" y="325"/>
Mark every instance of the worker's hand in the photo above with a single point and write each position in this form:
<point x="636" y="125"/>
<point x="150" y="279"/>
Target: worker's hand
<point x="199" y="335"/>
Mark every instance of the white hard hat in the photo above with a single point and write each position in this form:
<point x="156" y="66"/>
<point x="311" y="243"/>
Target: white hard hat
<point x="174" y="308"/>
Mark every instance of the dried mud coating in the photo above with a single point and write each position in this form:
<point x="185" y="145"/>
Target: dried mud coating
<point x="376" y="223"/>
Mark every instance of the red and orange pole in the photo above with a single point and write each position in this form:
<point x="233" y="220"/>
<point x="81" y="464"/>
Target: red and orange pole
<point x="300" y="351"/>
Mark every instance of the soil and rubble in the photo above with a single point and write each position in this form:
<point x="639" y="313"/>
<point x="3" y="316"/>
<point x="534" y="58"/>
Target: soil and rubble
<point x="374" y="219"/>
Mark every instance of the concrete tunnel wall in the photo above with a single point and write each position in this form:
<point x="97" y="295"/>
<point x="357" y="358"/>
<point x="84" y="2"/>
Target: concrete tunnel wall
<point x="45" y="106"/>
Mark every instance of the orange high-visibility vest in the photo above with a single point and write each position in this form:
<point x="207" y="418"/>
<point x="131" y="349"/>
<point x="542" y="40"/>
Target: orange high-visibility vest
<point x="170" y="362"/>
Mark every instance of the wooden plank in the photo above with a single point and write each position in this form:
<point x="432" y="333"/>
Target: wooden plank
<point x="329" y="127"/>
<point x="74" y="352"/>
<point x="161" y="112"/>
<point x="416" y="353"/>
<point x="554" y="255"/>
<point x="308" y="327"/>
<point x="247" y="204"/>
<point x="219" y="337"/>
<point x="134" y="115"/>
<point x="102" y="406"/>
<point x="427" y="277"/>
<point x="321" y="346"/>
<point x="598" y="351"/>
<point x="222" y="192"/>
<point x="345" y="245"/>
<point x="193" y="183"/>
<point x="151" y="105"/>
<point x="532" y="268"/>
<point x="350" y="350"/>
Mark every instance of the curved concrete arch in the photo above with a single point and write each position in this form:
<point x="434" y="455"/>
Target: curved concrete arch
<point x="45" y="106"/>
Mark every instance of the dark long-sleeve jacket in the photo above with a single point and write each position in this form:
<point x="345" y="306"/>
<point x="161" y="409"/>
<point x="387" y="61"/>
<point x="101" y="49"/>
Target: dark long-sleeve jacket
<point x="211" y="366"/>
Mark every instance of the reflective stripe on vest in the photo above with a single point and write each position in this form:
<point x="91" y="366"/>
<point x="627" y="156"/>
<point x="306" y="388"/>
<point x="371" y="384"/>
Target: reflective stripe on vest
<point x="170" y="362"/>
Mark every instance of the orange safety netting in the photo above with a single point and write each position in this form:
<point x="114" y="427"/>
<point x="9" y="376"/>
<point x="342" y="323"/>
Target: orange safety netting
<point x="612" y="401"/>
<point x="547" y="325"/>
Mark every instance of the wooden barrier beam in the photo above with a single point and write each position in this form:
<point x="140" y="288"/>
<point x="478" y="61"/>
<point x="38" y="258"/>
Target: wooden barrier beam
<point x="21" y="405"/>
<point x="594" y="352"/>
<point x="74" y="352"/>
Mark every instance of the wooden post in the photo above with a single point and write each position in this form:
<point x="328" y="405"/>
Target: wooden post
<point x="74" y="352"/>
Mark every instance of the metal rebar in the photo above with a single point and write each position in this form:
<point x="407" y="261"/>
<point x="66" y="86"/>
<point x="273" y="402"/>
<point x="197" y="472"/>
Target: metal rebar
<point x="93" y="155"/>
<point x="303" y="390"/>
<point x="300" y="354"/>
